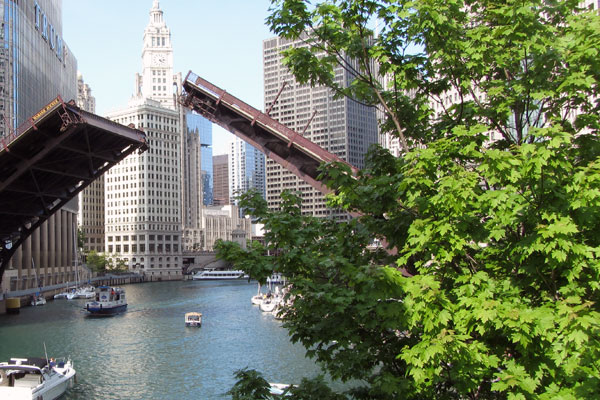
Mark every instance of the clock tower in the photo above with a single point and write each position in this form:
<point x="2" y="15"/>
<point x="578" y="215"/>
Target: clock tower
<point x="156" y="81"/>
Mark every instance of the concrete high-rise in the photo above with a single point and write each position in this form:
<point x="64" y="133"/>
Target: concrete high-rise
<point x="221" y="180"/>
<point x="197" y="176"/>
<point x="36" y="66"/>
<point x="143" y="192"/>
<point x="340" y="126"/>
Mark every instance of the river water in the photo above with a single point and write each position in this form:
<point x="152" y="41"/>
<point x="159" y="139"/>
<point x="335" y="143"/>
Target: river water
<point x="149" y="353"/>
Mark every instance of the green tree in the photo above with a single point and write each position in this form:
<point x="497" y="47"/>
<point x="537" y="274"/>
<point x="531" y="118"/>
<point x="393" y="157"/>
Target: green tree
<point x="80" y="238"/>
<point x="116" y="263"/>
<point x="96" y="262"/>
<point x="489" y="286"/>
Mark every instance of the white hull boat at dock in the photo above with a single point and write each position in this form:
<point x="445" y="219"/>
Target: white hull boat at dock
<point x="38" y="300"/>
<point x="35" y="378"/>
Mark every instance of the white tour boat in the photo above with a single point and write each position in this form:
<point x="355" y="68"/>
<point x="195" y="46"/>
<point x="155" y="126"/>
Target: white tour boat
<point x="193" y="319"/>
<point x="213" y="274"/>
<point x="108" y="301"/>
<point x="35" y="378"/>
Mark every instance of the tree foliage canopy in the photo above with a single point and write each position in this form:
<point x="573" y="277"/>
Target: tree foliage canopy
<point x="489" y="287"/>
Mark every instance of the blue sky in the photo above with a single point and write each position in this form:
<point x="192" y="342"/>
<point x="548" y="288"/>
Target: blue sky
<point x="218" y="40"/>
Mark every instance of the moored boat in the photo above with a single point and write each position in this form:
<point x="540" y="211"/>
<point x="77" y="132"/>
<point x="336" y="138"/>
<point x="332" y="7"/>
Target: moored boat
<point x="38" y="299"/>
<point x="35" y="378"/>
<point x="85" y="292"/>
<point x="270" y="303"/>
<point x="258" y="297"/>
<point x="108" y="301"/>
<point x="213" y="274"/>
<point x="193" y="319"/>
<point x="275" y="279"/>
<point x="61" y="295"/>
<point x="279" y="389"/>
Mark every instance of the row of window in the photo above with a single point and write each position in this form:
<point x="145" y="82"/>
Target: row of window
<point x="141" y="247"/>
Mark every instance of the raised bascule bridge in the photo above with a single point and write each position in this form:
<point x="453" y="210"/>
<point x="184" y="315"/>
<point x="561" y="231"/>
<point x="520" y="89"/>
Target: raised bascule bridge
<point x="285" y="146"/>
<point x="278" y="142"/>
<point x="52" y="157"/>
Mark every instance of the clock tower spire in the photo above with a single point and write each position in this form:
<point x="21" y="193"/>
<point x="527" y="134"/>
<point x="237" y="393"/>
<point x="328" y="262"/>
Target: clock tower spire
<point x="156" y="81"/>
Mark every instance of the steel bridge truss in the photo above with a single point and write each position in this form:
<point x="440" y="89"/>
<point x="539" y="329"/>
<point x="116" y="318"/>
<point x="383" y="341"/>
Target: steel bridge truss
<point x="50" y="159"/>
<point x="278" y="142"/>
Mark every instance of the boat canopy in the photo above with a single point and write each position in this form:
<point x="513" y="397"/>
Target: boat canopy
<point x="25" y="362"/>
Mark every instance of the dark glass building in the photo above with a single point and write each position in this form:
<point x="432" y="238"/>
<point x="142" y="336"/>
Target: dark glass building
<point x="36" y="66"/>
<point x="35" y="63"/>
<point x="199" y="132"/>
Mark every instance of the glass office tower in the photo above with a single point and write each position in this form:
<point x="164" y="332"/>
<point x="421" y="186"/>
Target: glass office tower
<point x="36" y="66"/>
<point x="199" y="137"/>
<point x="35" y="63"/>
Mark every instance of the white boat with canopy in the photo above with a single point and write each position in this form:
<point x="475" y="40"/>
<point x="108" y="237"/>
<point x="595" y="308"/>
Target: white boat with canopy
<point x="35" y="378"/>
<point x="213" y="274"/>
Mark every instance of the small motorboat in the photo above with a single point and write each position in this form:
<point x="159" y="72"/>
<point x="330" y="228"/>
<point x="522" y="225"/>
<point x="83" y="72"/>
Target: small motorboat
<point x="85" y="292"/>
<point x="63" y="295"/>
<point x="270" y="304"/>
<point x="257" y="299"/>
<point x="38" y="299"/>
<point x="35" y="378"/>
<point x="108" y="301"/>
<point x="193" y="319"/>
<point x="279" y="389"/>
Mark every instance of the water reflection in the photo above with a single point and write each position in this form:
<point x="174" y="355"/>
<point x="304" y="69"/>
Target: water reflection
<point x="149" y="353"/>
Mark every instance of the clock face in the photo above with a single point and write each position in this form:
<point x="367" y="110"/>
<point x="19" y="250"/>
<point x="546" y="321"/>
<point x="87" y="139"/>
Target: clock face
<point x="160" y="59"/>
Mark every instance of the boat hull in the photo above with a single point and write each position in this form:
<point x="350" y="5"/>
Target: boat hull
<point x="38" y="302"/>
<point x="109" y="301"/>
<point x="269" y="306"/>
<point x="257" y="300"/>
<point x="56" y="391"/>
<point x="33" y="379"/>
<point x="213" y="275"/>
<point x="104" y="309"/>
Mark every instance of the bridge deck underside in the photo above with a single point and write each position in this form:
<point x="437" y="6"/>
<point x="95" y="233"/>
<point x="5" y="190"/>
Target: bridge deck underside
<point x="50" y="162"/>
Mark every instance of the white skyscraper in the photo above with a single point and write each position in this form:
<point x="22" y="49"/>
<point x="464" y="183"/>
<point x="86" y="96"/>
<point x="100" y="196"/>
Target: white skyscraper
<point x="341" y="126"/>
<point x="246" y="168"/>
<point x="143" y="192"/>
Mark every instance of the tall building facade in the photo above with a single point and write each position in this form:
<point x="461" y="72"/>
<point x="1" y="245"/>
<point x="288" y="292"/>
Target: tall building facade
<point x="198" y="158"/>
<point x="340" y="126"/>
<point x="223" y="223"/>
<point x="198" y="176"/>
<point x="35" y="63"/>
<point x="246" y="169"/>
<point x="90" y="218"/>
<point x="221" y="180"/>
<point x="143" y="192"/>
<point x="35" y="67"/>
